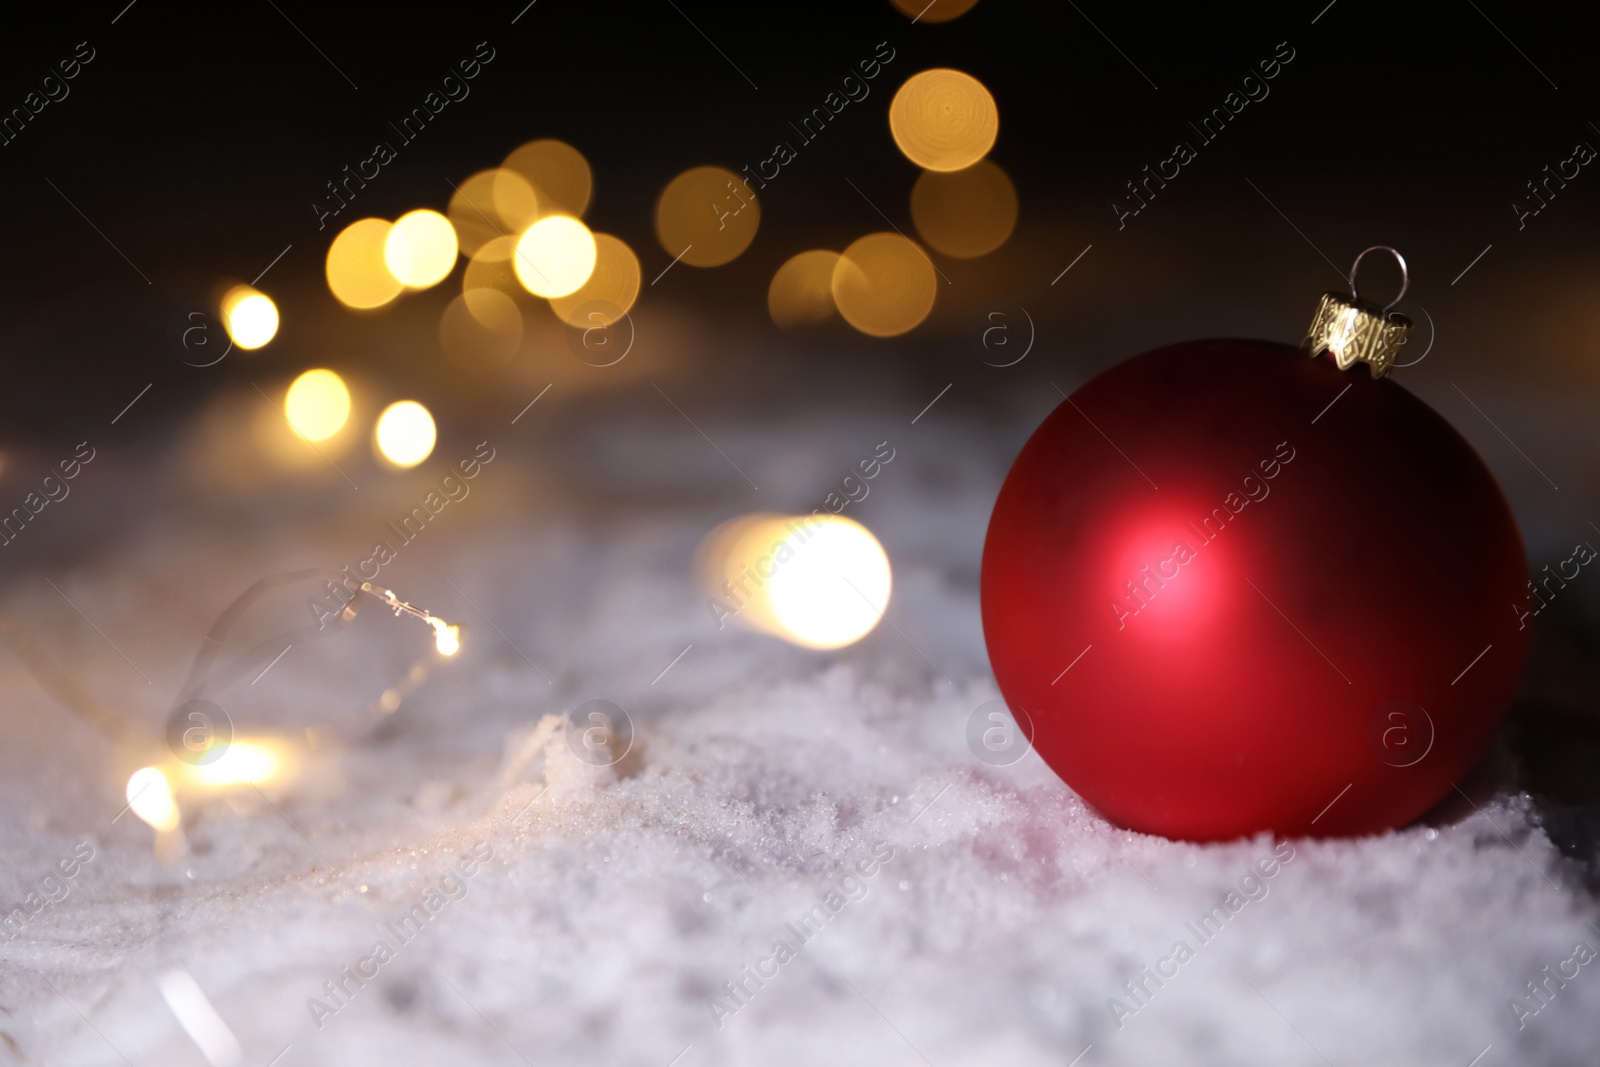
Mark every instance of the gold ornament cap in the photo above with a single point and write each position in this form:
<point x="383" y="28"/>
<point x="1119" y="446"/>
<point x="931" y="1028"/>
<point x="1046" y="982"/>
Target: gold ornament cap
<point x="1357" y="330"/>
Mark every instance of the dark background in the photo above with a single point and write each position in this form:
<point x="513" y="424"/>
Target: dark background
<point x="199" y="136"/>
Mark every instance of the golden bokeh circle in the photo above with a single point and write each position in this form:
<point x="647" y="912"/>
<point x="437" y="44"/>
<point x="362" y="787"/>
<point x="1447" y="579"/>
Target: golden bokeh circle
<point x="473" y="213"/>
<point x="555" y="256"/>
<point x="884" y="284"/>
<point x="937" y="11"/>
<point x="405" y="434"/>
<point x="250" y="316"/>
<point x="557" y="172"/>
<point x="801" y="293"/>
<point x="421" y="248"/>
<point x="818" y="581"/>
<point x="357" y="274"/>
<point x="707" y="216"/>
<point x="516" y="203"/>
<point x="943" y="119"/>
<point x="490" y="268"/>
<point x="612" y="287"/>
<point x="317" y="404"/>
<point x="965" y="213"/>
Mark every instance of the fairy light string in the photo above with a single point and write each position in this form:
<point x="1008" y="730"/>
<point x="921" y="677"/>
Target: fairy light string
<point x="152" y="789"/>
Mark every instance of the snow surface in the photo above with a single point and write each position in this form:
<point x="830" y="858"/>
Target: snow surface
<point x="619" y="900"/>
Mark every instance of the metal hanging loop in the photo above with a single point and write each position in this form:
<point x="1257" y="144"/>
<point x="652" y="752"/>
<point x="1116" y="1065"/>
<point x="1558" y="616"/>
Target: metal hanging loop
<point x="1405" y="276"/>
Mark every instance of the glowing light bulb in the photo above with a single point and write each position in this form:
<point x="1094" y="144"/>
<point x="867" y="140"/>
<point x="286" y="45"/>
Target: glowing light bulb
<point x="150" y="798"/>
<point x="555" y="257"/>
<point x="357" y="272"/>
<point x="707" y="216"/>
<point x="884" y="284"/>
<point x="446" y="638"/>
<point x="250" y="316"/>
<point x="420" y="249"/>
<point x="241" y="763"/>
<point x="317" y="404"/>
<point x="834" y="588"/>
<point x="610" y="290"/>
<point x="943" y="119"/>
<point x="406" y="433"/>
<point x="818" y="581"/>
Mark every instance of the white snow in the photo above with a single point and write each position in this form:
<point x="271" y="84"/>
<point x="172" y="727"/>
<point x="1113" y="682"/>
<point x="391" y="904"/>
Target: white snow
<point x="619" y="900"/>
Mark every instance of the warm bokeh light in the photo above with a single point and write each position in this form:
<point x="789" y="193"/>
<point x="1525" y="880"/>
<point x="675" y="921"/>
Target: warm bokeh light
<point x="884" y="284"/>
<point x="801" y="293"/>
<point x="357" y="273"/>
<point x="934" y="10"/>
<point x="707" y="216"/>
<point x="835" y="589"/>
<point x="555" y="257"/>
<point x="317" y="404"/>
<point x="822" y="581"/>
<point x="965" y="213"/>
<point x="472" y="212"/>
<point x="241" y="763"/>
<point x="612" y="287"/>
<point x="420" y="249"/>
<point x="481" y="327"/>
<point x="557" y="172"/>
<point x="943" y="119"/>
<point x="405" y="434"/>
<point x="150" y="797"/>
<point x="490" y="268"/>
<point x="516" y="203"/>
<point x="250" y="316"/>
<point x="446" y="638"/>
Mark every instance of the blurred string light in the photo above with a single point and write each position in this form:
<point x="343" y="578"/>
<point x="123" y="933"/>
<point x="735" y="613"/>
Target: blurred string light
<point x="965" y="213"/>
<point x="250" y="316"/>
<point x="555" y="256"/>
<point x="405" y="434"/>
<point x="446" y="637"/>
<point x="358" y="274"/>
<point x="490" y="268"/>
<point x="420" y="249"/>
<point x="609" y="291"/>
<point x="801" y="293"/>
<point x="258" y="761"/>
<point x="943" y="119"/>
<point x="516" y="202"/>
<point x="254" y="761"/>
<point x="707" y="216"/>
<point x="151" y="791"/>
<point x="934" y="10"/>
<point x="472" y="212"/>
<point x="558" y="174"/>
<point x="817" y="581"/>
<point x="150" y="797"/>
<point x="884" y="284"/>
<point x="317" y="404"/>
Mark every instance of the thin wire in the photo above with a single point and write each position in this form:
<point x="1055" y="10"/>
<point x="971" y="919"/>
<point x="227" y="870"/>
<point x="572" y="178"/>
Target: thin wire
<point x="201" y="674"/>
<point x="204" y="675"/>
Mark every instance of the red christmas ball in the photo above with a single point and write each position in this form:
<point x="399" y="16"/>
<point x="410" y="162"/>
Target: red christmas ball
<point x="1229" y="587"/>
